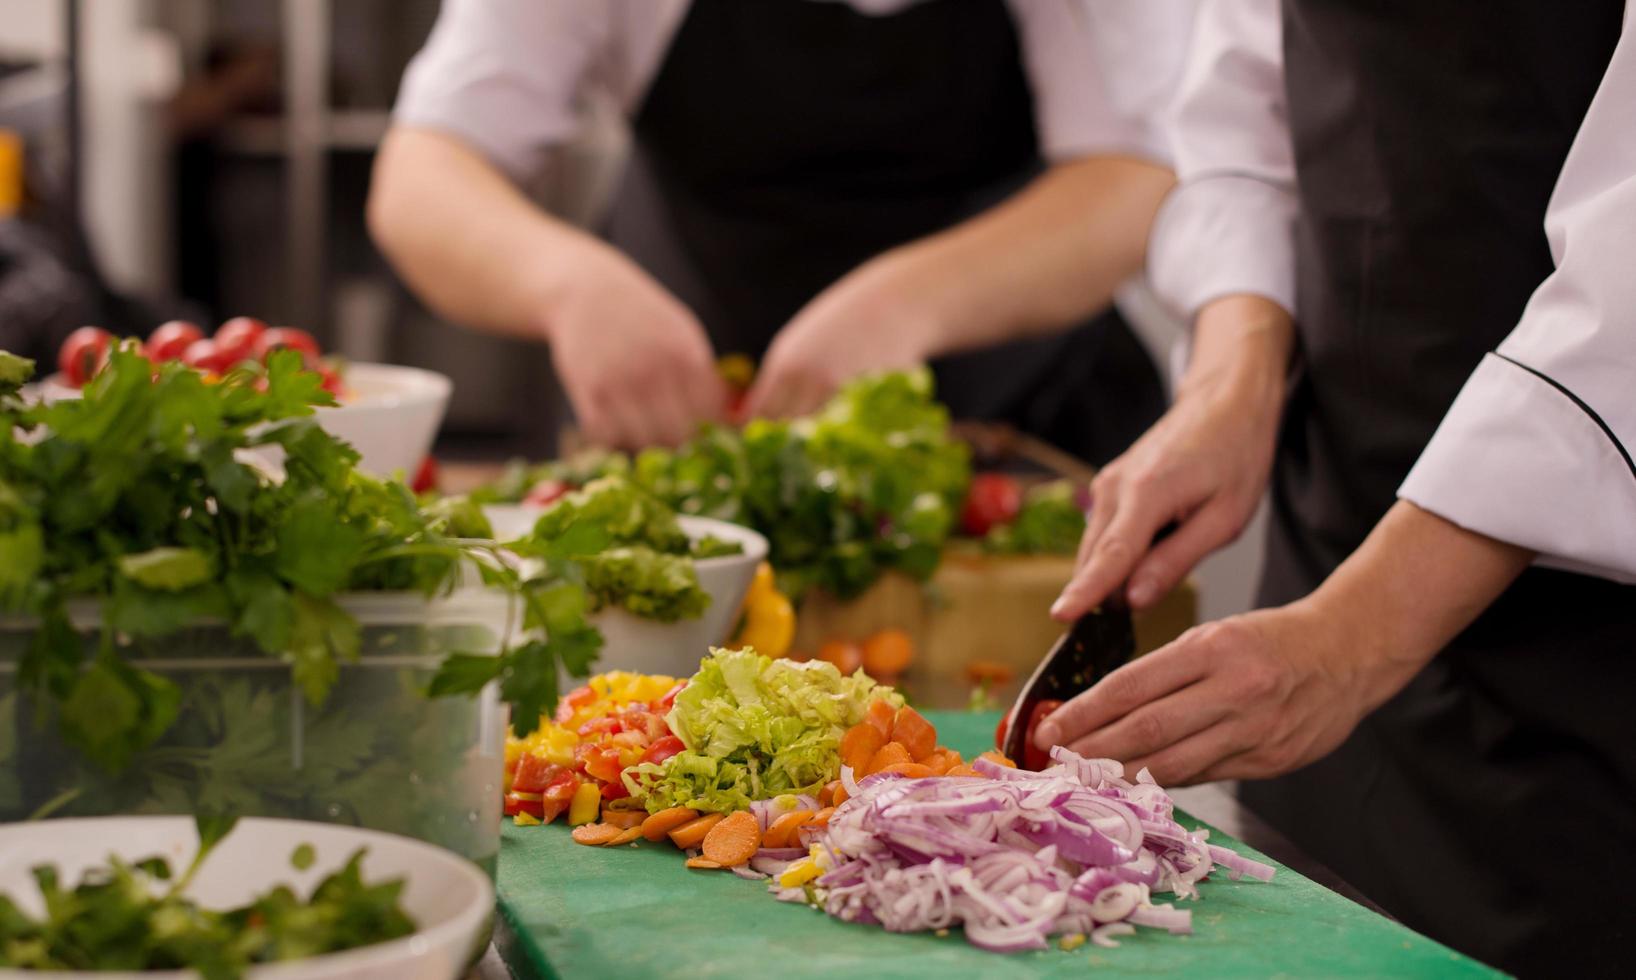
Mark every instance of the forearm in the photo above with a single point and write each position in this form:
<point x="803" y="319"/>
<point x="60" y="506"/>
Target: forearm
<point x="1410" y="588"/>
<point x="468" y="241"/>
<point x="1048" y="257"/>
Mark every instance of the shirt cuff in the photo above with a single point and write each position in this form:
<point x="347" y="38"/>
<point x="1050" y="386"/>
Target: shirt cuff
<point x="1223" y="236"/>
<point x="1519" y="459"/>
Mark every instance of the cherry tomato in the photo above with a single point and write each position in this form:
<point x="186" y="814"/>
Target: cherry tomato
<point x="206" y="355"/>
<point x="332" y="382"/>
<point x="83" y="354"/>
<point x="994" y="499"/>
<point x="888" y="653"/>
<point x="426" y="476"/>
<point x="663" y="749"/>
<point x="286" y="338"/>
<point x="171" y="340"/>
<point x="844" y="654"/>
<point x="237" y="338"/>
<point x="534" y="774"/>
<point x="578" y="698"/>
<point x="1000" y="730"/>
<point x="545" y="492"/>
<point x="662" y="706"/>
<point x="1036" y="758"/>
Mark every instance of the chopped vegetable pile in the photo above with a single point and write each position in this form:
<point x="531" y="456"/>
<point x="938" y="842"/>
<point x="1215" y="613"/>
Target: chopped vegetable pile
<point x="1015" y="858"/>
<point x="755" y="728"/>
<point x="1050" y="521"/>
<point x="121" y="918"/>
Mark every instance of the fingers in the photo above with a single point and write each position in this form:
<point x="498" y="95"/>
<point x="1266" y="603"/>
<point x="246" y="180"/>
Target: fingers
<point x="1158" y="726"/>
<point x="781" y="392"/>
<point x="1170" y="560"/>
<point x="1194" y="759"/>
<point x="1114" y="552"/>
<point x="1130" y="687"/>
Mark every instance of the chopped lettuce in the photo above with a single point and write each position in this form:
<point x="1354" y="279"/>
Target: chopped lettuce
<point x="646" y="582"/>
<point x="756" y="728"/>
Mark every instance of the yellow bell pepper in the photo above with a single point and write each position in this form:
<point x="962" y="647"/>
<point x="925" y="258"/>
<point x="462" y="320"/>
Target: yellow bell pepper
<point x="769" y="618"/>
<point x="586" y="804"/>
<point x="799" y="873"/>
<point x="526" y="820"/>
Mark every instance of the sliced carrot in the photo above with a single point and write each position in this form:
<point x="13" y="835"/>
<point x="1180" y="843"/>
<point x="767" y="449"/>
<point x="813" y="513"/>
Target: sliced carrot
<point x="914" y="770"/>
<point x="943" y="760"/>
<point x="691" y="834"/>
<point x="826" y="796"/>
<point x="859" y="745"/>
<point x="626" y="836"/>
<point x="890" y="754"/>
<point x="963" y="770"/>
<point x="623" y="819"/>
<point x="655" y="828"/>
<point x="783" y="829"/>
<point x="734" y="840"/>
<point x="702" y="864"/>
<point x="880" y="715"/>
<point x="821" y="818"/>
<point x="916" y="734"/>
<point x="994" y="756"/>
<point x="595" y="834"/>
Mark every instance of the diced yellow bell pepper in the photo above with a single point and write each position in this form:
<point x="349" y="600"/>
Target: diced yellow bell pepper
<point x="586" y="804"/>
<point x="799" y="873"/>
<point x="526" y="820"/>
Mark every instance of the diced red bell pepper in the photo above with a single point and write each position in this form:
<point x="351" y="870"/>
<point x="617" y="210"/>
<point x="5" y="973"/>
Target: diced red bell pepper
<point x="571" y="702"/>
<point x="515" y="804"/>
<point x="551" y="809"/>
<point x="561" y="787"/>
<point x="663" y="749"/>
<point x="664" y="704"/>
<point x="650" y="724"/>
<point x="615" y="790"/>
<point x="603" y="764"/>
<point x="534" y="774"/>
<point x="606" y="725"/>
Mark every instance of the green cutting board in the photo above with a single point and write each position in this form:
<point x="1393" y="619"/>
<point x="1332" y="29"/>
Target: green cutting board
<point x="572" y="911"/>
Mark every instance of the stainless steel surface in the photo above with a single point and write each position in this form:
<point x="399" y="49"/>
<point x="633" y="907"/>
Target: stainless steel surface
<point x="306" y="133"/>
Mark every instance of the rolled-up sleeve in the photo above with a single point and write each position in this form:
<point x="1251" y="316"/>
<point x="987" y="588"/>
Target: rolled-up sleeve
<point x="1102" y="72"/>
<point x="1229" y="226"/>
<point x="504" y="75"/>
<point x="1537" y="449"/>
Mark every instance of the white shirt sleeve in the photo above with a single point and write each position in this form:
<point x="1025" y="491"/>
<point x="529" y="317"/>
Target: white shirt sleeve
<point x="1537" y="449"/>
<point x="1229" y="226"/>
<point x="504" y="75"/>
<point x="1102" y="72"/>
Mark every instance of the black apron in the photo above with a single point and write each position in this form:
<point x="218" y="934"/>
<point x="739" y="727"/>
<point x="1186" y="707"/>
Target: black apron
<point x="1491" y="804"/>
<point x="785" y="142"/>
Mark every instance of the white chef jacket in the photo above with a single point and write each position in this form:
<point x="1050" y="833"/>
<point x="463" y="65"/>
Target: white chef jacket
<point x="1537" y="448"/>
<point x="504" y="76"/>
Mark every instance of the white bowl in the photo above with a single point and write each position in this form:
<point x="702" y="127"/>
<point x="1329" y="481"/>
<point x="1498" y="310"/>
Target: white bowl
<point x="391" y="415"/>
<point x="673" y="649"/>
<point x="451" y="901"/>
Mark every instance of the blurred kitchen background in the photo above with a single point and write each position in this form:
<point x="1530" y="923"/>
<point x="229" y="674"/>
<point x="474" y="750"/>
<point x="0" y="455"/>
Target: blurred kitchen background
<point x="223" y="158"/>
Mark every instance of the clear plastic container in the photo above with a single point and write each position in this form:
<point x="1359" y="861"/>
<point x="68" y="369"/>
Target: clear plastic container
<point x="377" y="753"/>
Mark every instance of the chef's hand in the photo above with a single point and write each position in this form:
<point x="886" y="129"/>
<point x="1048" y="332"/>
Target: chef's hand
<point x="868" y="320"/>
<point x="635" y="362"/>
<point x="1267" y="692"/>
<point x="1203" y="465"/>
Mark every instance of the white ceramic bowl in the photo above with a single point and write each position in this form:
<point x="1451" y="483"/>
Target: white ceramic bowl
<point x="674" y="649"/>
<point x="391" y="415"/>
<point x="450" y="899"/>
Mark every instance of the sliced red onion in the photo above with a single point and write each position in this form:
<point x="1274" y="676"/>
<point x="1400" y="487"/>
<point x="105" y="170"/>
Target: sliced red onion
<point x="1238" y="865"/>
<point x="1015" y="858"/>
<point x="750" y="873"/>
<point x="1103" y="935"/>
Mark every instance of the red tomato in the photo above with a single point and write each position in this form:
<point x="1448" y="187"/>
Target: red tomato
<point x="615" y="790"/>
<point x="1036" y="758"/>
<point x="171" y="340"/>
<point x="664" y="704"/>
<point x="546" y="492"/>
<point x="994" y="499"/>
<point x="638" y="718"/>
<point x="1000" y="731"/>
<point x="515" y="804"/>
<point x="578" y="698"/>
<point x="83" y="354"/>
<point x="332" y="382"/>
<point x="426" y="476"/>
<point x="603" y="764"/>
<point x="534" y="774"/>
<point x="605" y="725"/>
<point x="206" y="355"/>
<point x="237" y="338"/>
<point x="663" y="749"/>
<point x="286" y="338"/>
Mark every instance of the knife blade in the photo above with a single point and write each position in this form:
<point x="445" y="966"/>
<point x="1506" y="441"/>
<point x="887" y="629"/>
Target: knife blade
<point x="1096" y="644"/>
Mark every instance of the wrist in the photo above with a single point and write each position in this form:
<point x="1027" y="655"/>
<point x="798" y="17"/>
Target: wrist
<point x="1241" y="349"/>
<point x="901" y="291"/>
<point x="582" y="274"/>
